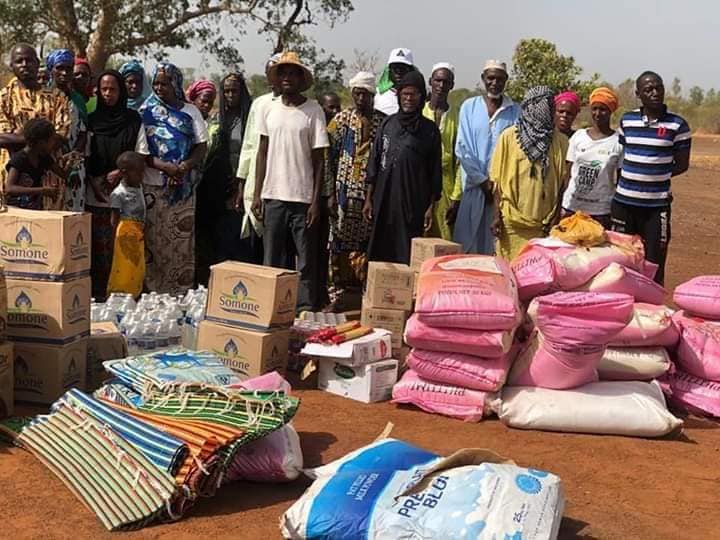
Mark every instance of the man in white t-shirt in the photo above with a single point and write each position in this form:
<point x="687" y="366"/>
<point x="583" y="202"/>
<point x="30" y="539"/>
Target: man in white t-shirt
<point x="288" y="176"/>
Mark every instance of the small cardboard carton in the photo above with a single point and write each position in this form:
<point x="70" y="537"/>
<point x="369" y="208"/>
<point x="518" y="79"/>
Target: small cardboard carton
<point x="389" y="319"/>
<point x="40" y="244"/>
<point x="48" y="312"/>
<point x="250" y="354"/>
<point x="369" y="383"/>
<point x="389" y="285"/>
<point x="105" y="343"/>
<point x="7" y="380"/>
<point x="360" y="351"/>
<point x="45" y="372"/>
<point x="3" y="305"/>
<point x="252" y="296"/>
<point x="422" y="249"/>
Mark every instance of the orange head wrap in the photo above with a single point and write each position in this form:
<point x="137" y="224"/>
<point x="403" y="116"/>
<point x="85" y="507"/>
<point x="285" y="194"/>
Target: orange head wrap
<point x="605" y="96"/>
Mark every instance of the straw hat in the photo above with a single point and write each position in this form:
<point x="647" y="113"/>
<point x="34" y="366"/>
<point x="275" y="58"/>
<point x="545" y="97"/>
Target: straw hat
<point x="290" y="58"/>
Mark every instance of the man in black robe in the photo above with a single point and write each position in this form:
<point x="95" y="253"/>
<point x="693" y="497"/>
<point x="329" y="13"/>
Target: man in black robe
<point x="404" y="175"/>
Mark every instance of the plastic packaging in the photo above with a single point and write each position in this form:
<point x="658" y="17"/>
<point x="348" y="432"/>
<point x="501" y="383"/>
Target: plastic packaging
<point x="698" y="351"/>
<point x="700" y="296"/>
<point x="633" y="363"/>
<point x="616" y="278"/>
<point x="650" y="326"/>
<point x="484" y="374"/>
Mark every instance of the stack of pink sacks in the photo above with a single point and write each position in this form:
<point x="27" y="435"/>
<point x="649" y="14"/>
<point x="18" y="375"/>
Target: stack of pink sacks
<point x="696" y="381"/>
<point x="461" y="334"/>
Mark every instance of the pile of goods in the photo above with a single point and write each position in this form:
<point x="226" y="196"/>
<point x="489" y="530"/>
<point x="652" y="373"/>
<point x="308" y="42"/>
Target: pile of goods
<point x="170" y="428"/>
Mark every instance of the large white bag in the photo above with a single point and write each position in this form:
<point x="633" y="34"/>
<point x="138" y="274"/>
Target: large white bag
<point x="633" y="363"/>
<point x="391" y="489"/>
<point x="632" y="408"/>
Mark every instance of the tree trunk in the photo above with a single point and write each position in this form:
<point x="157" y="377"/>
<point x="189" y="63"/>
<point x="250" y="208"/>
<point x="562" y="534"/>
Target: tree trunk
<point x="98" y="51"/>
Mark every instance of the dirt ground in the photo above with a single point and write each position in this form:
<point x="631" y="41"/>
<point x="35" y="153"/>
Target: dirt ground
<point x="616" y="487"/>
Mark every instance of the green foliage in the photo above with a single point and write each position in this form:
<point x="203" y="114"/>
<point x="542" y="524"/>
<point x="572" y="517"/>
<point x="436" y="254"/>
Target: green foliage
<point x="538" y="62"/>
<point x="697" y="96"/>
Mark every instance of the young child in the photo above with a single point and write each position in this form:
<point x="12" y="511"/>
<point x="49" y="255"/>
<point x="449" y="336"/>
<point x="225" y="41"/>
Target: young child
<point x="27" y="167"/>
<point x="127" y="202"/>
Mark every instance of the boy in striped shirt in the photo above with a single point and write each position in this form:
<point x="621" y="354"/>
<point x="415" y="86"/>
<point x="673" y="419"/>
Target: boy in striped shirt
<point x="656" y="147"/>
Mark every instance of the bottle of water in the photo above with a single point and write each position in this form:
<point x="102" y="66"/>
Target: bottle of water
<point x="148" y="341"/>
<point x="162" y="336"/>
<point x="134" y="339"/>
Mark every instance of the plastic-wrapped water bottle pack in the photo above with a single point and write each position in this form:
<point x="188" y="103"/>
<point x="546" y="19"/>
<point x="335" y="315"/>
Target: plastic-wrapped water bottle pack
<point x="156" y="321"/>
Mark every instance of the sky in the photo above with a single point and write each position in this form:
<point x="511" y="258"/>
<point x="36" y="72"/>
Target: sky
<point x="615" y="38"/>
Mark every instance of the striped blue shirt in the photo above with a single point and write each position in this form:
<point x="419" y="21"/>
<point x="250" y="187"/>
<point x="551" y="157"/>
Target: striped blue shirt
<point x="648" y="160"/>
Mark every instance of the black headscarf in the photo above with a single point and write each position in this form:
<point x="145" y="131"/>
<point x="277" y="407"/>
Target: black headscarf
<point x="410" y="121"/>
<point x="115" y="129"/>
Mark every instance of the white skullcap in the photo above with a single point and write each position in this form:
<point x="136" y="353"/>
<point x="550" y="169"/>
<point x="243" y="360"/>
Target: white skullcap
<point x="364" y="80"/>
<point x="495" y="64"/>
<point x="443" y="65"/>
<point x="401" y="56"/>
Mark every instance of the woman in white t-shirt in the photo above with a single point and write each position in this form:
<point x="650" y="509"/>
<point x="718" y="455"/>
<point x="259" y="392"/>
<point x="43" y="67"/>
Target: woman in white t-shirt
<point x="593" y="159"/>
<point x="175" y="141"/>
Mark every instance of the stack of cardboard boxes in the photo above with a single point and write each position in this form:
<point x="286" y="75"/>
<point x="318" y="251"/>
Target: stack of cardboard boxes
<point x="47" y="264"/>
<point x="7" y="378"/>
<point x="422" y="249"/>
<point x="105" y="343"/>
<point x="249" y="314"/>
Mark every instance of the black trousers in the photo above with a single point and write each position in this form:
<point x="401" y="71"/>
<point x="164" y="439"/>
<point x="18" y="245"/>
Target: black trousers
<point x="652" y="225"/>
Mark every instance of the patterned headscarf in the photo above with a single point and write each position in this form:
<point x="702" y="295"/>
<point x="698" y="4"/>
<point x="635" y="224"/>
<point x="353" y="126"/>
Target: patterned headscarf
<point x="176" y="77"/>
<point x="59" y="56"/>
<point x="535" y="126"/>
<point x="134" y="66"/>
<point x="201" y="86"/>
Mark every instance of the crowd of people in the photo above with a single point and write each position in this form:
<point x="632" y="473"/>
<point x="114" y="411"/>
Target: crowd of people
<point x="177" y="179"/>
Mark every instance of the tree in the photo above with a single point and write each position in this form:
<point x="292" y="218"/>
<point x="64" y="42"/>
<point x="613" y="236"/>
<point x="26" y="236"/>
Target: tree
<point x="697" y="96"/>
<point x="364" y="61"/>
<point x="711" y="96"/>
<point x="676" y="88"/>
<point x="99" y="29"/>
<point x="538" y="62"/>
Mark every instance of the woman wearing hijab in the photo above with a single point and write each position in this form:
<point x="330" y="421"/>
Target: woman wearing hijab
<point x="115" y="129"/>
<point x="60" y="65"/>
<point x="175" y="141"/>
<point x="137" y="86"/>
<point x="567" y="107"/>
<point x="527" y="168"/>
<point x="593" y="159"/>
<point x="202" y="94"/>
<point x="219" y="224"/>
<point x="404" y="175"/>
<point x="82" y="82"/>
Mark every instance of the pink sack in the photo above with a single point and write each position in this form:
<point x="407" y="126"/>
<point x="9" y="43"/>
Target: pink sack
<point x="616" y="278"/>
<point x="486" y="374"/>
<point x="467" y="291"/>
<point x="454" y="401"/>
<point x="651" y="326"/>
<point x="545" y="265"/>
<point x="277" y="457"/>
<point x="572" y="332"/>
<point x="475" y="343"/>
<point x="700" y="296"/>
<point x="698" y="351"/>
<point x="696" y="394"/>
<point x="270" y="382"/>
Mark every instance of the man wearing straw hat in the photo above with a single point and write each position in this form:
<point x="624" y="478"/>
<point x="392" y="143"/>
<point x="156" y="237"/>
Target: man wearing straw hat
<point x="288" y="176"/>
<point x="482" y="120"/>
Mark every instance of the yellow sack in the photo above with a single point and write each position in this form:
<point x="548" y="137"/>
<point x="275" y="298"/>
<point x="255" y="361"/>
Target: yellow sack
<point x="128" y="265"/>
<point x="579" y="229"/>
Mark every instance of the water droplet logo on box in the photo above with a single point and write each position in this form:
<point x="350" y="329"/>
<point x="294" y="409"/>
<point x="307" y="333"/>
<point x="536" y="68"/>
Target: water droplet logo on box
<point x="24" y="250"/>
<point x="71" y="376"/>
<point x="25" y="380"/>
<point x="232" y="357"/>
<point x="23" y="315"/>
<point x="79" y="249"/>
<point x="76" y="312"/>
<point x="238" y="302"/>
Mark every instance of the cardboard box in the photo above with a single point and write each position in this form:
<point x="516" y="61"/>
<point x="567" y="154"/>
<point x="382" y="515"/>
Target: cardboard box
<point x="369" y="383"/>
<point x="43" y="373"/>
<point x="7" y="380"/>
<point x="3" y="305"/>
<point x="388" y="319"/>
<point x="251" y="296"/>
<point x="47" y="311"/>
<point x="39" y="244"/>
<point x="248" y="353"/>
<point x="422" y="249"/>
<point x="360" y="351"/>
<point x="389" y="286"/>
<point x="105" y="343"/>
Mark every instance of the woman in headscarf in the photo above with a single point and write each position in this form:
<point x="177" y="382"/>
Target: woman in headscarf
<point x="60" y="64"/>
<point x="567" y="107"/>
<point x="175" y="142"/>
<point x="404" y="175"/>
<point x="115" y="129"/>
<point x="138" y="89"/>
<point x="593" y="159"/>
<point x="202" y="94"/>
<point x="352" y="133"/>
<point x="527" y="168"/>
<point x="82" y="82"/>
<point x="219" y="224"/>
